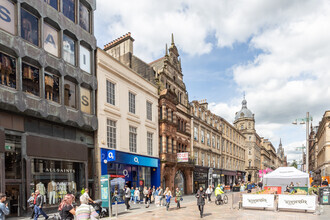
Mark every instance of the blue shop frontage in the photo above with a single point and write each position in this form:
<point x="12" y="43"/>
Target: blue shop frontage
<point x="129" y="169"/>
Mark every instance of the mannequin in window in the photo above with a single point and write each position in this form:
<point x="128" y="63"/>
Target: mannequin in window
<point x="52" y="187"/>
<point x="42" y="190"/>
<point x="49" y="83"/>
<point x="72" y="187"/>
<point x="27" y="30"/>
<point x="5" y="69"/>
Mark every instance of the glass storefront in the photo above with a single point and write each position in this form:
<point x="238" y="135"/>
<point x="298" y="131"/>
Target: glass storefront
<point x="13" y="158"/>
<point x="54" y="179"/>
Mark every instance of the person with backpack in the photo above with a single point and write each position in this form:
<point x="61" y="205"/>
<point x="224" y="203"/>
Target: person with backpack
<point x="66" y="209"/>
<point x="38" y="203"/>
<point x="31" y="205"/>
<point x="201" y="195"/>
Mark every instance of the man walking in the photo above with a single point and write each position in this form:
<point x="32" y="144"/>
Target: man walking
<point x="127" y="197"/>
<point x="4" y="210"/>
<point x="178" y="196"/>
<point x="38" y="203"/>
<point x="201" y="195"/>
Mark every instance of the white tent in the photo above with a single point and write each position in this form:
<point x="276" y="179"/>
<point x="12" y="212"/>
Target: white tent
<point x="283" y="176"/>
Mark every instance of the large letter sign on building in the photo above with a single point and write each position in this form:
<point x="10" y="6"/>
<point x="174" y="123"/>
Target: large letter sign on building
<point x="7" y="16"/>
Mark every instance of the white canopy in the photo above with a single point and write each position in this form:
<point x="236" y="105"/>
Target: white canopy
<point x="283" y="176"/>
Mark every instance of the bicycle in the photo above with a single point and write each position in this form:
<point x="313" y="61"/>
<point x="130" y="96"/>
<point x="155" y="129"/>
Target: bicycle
<point x="223" y="200"/>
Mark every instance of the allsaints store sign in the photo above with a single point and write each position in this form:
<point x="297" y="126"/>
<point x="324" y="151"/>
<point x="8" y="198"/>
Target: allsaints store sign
<point x="50" y="39"/>
<point x="7" y="16"/>
<point x="54" y="170"/>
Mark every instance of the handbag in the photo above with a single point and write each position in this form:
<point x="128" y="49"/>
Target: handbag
<point x="176" y="201"/>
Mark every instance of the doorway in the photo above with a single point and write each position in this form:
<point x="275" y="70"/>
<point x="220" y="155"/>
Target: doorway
<point x="13" y="199"/>
<point x="179" y="182"/>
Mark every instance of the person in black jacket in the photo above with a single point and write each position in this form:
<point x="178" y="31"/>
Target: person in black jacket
<point x="38" y="203"/>
<point x="201" y="195"/>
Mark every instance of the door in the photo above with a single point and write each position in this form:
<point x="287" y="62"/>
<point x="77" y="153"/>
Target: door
<point x="179" y="182"/>
<point x="13" y="199"/>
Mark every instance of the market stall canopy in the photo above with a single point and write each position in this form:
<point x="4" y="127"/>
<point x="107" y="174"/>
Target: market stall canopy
<point x="283" y="176"/>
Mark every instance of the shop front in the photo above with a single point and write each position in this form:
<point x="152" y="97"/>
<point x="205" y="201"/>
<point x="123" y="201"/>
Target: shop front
<point x="240" y="176"/>
<point x="216" y="176"/>
<point x="129" y="169"/>
<point x="200" y="177"/>
<point x="229" y="177"/>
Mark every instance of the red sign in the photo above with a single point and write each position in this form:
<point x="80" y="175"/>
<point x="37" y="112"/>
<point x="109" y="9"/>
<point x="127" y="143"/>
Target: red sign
<point x="277" y="189"/>
<point x="183" y="157"/>
<point x="141" y="182"/>
<point x="117" y="176"/>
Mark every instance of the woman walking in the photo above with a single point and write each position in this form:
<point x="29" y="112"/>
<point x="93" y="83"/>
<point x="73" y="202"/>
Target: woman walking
<point x="201" y="200"/>
<point x="67" y="211"/>
<point x="209" y="193"/>
<point x="168" y="196"/>
<point x="178" y="197"/>
<point x="136" y="195"/>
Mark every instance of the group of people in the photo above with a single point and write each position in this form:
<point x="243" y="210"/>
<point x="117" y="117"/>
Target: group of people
<point x="66" y="209"/>
<point x="151" y="195"/>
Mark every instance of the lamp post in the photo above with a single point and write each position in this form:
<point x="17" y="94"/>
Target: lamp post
<point x="302" y="148"/>
<point x="305" y="121"/>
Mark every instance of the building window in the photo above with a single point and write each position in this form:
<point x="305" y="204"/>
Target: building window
<point x="202" y="159"/>
<point x="85" y="98"/>
<point x="132" y="139"/>
<point x="85" y="59"/>
<point x="172" y="117"/>
<point x="149" y="143"/>
<point x="166" y="113"/>
<point x="52" y="3"/>
<point x="208" y="139"/>
<point x="218" y="162"/>
<point x="69" y="50"/>
<point x="69" y="9"/>
<point x="50" y="39"/>
<point x="223" y="145"/>
<point x="70" y="94"/>
<point x="167" y="140"/>
<point x="52" y="91"/>
<point x="196" y="133"/>
<point x="30" y="79"/>
<point x="8" y="17"/>
<point x="160" y="144"/>
<point x="213" y="161"/>
<point x="208" y="161"/>
<point x="149" y="111"/>
<point x="213" y="141"/>
<point x="131" y="101"/>
<point x="172" y="145"/>
<point x="111" y="134"/>
<point x="202" y="136"/>
<point x="249" y="164"/>
<point x="196" y="158"/>
<point x="84" y="17"/>
<point x="218" y="143"/>
<point x="29" y="27"/>
<point x="160" y="112"/>
<point x="111" y="98"/>
<point x="7" y="70"/>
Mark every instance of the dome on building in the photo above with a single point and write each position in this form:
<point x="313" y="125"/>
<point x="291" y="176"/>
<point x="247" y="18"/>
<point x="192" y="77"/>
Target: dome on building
<point x="244" y="112"/>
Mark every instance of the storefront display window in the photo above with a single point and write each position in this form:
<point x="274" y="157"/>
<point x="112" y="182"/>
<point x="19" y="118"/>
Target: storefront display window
<point x="8" y="15"/>
<point x="85" y="98"/>
<point x="70" y="94"/>
<point x="52" y="3"/>
<point x="85" y="59"/>
<point x="50" y="39"/>
<point x="13" y="159"/>
<point x="52" y="87"/>
<point x="29" y="27"/>
<point x="30" y="79"/>
<point x="69" y="9"/>
<point x="84" y="17"/>
<point x="7" y="70"/>
<point x="54" y="179"/>
<point x="69" y="50"/>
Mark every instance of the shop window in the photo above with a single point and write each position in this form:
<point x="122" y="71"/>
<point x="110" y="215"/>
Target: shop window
<point x="50" y="39"/>
<point x="85" y="100"/>
<point x="13" y="158"/>
<point x="111" y="93"/>
<point x="172" y="116"/>
<point x="55" y="179"/>
<point x="196" y="158"/>
<point x="29" y="27"/>
<point x="149" y="143"/>
<point x="52" y="83"/>
<point x="132" y="138"/>
<point x="131" y="102"/>
<point x="7" y="70"/>
<point x="85" y="59"/>
<point x="7" y="16"/>
<point x="160" y="144"/>
<point x="149" y="111"/>
<point x="30" y="79"/>
<point x="69" y="50"/>
<point x="111" y="134"/>
<point x="202" y="136"/>
<point x="69" y="9"/>
<point x="84" y="17"/>
<point x="160" y="112"/>
<point x="172" y="146"/>
<point x="195" y="133"/>
<point x="167" y="140"/>
<point x="70" y="94"/>
<point x="52" y="3"/>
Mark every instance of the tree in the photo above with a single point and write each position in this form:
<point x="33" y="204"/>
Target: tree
<point x="294" y="164"/>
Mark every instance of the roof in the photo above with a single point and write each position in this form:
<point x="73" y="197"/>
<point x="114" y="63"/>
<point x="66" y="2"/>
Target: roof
<point x="244" y="112"/>
<point x="286" y="172"/>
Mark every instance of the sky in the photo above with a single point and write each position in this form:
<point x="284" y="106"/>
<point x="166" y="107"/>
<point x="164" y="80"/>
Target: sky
<point x="276" y="52"/>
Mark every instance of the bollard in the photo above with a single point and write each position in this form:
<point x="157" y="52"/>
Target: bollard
<point x="116" y="209"/>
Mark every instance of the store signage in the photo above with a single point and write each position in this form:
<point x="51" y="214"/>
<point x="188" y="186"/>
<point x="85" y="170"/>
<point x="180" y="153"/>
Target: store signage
<point x="54" y="170"/>
<point x="85" y="98"/>
<point x="141" y="182"/>
<point x="258" y="201"/>
<point x="105" y="188"/>
<point x="304" y="202"/>
<point x="7" y="16"/>
<point x="111" y="155"/>
<point x="183" y="157"/>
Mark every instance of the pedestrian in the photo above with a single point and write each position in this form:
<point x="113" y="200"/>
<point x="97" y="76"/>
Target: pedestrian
<point x="127" y="197"/>
<point x="249" y="187"/>
<point x="209" y="193"/>
<point x="38" y="203"/>
<point x="260" y="185"/>
<point x="4" y="210"/>
<point x="201" y="195"/>
<point x="218" y="192"/>
<point x="178" y="197"/>
<point x="157" y="197"/>
<point x="160" y="194"/>
<point x="85" y="211"/>
<point x="67" y="211"/>
<point x="132" y="194"/>
<point x="31" y="205"/>
<point x="168" y="196"/>
<point x="86" y="195"/>
<point x="136" y="195"/>
<point x="242" y="187"/>
<point x="153" y="194"/>
<point x="149" y="194"/>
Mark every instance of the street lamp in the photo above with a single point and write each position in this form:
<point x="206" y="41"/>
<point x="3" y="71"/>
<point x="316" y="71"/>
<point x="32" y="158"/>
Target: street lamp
<point x="305" y="121"/>
<point x="302" y="148"/>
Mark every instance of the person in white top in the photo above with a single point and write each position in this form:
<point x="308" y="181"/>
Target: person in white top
<point x="136" y="195"/>
<point x="209" y="193"/>
<point x="87" y="196"/>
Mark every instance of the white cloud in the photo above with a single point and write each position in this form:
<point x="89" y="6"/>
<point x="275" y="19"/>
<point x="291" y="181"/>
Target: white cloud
<point x="291" y="75"/>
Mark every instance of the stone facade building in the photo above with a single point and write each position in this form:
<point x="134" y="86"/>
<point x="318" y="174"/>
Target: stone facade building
<point x="47" y="99"/>
<point x="174" y="121"/>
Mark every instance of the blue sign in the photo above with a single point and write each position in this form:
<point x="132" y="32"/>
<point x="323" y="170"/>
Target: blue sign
<point x="126" y="158"/>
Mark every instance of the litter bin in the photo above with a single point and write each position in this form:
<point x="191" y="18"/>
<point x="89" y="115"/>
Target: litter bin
<point x="324" y="194"/>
